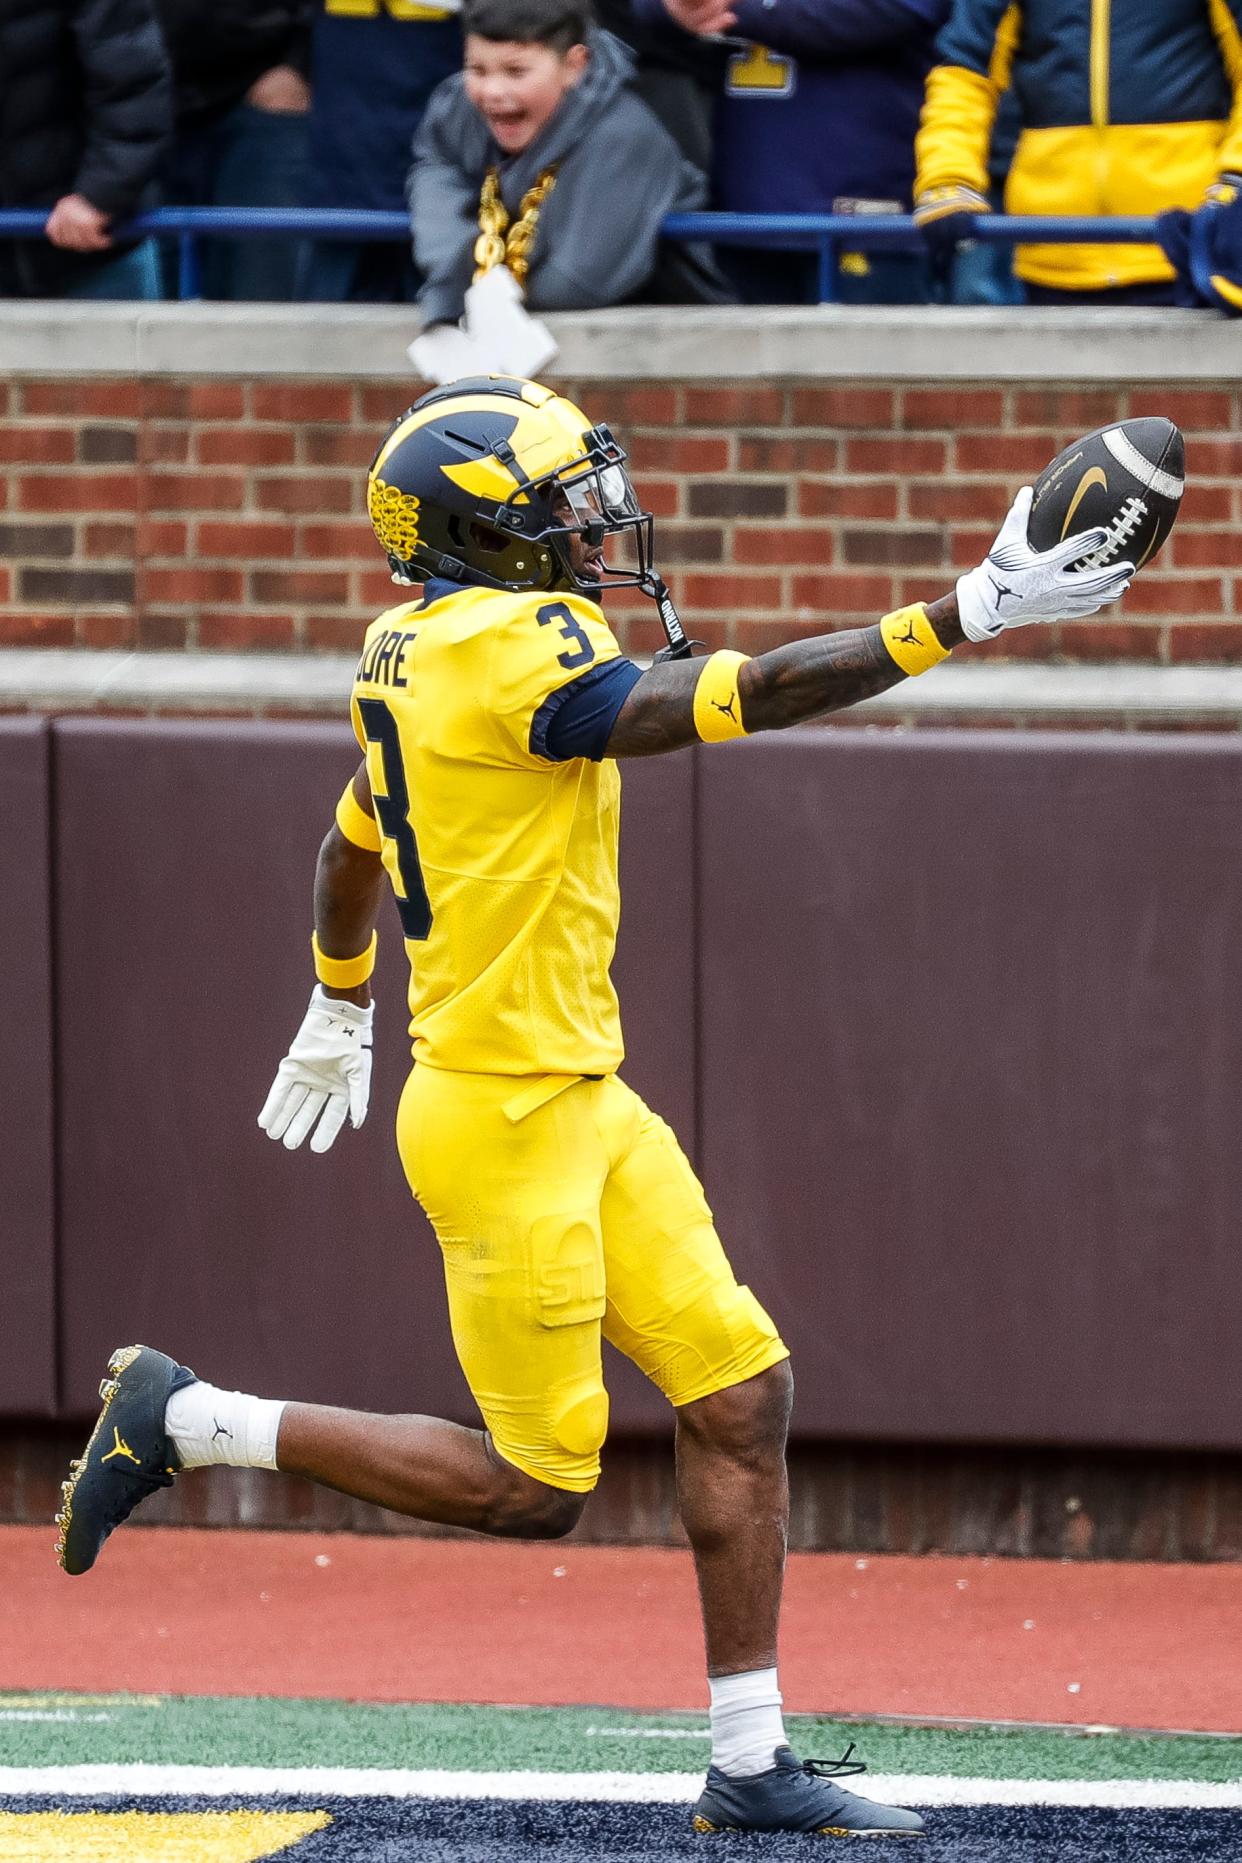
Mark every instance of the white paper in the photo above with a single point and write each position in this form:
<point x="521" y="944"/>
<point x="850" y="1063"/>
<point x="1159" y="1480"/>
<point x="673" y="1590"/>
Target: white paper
<point x="497" y="335"/>
<point x="496" y="316"/>
<point x="446" y="352"/>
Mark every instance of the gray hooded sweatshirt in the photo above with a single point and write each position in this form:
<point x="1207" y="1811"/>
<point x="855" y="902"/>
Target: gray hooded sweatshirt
<point x="598" y="236"/>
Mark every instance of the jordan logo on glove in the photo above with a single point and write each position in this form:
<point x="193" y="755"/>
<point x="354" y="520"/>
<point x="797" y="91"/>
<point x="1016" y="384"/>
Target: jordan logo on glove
<point x="1040" y="585"/>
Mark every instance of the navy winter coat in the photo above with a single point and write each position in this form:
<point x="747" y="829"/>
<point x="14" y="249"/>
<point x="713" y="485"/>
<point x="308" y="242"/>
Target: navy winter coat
<point x="821" y="106"/>
<point x="85" y="108"/>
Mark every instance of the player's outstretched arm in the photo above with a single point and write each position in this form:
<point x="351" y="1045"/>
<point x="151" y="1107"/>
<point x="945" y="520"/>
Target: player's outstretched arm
<point x="681" y="702"/>
<point x="326" y="1074"/>
<point x="783" y="687"/>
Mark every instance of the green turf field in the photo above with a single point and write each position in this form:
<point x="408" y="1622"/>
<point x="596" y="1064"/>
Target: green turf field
<point x="70" y="1730"/>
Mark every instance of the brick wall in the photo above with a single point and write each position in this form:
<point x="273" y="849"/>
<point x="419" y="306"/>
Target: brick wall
<point x="209" y="514"/>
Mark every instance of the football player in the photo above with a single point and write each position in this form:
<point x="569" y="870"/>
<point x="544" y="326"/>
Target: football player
<point x="492" y="708"/>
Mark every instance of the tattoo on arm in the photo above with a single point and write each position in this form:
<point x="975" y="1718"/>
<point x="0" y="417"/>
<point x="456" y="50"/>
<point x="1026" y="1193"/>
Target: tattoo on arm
<point x="829" y="673"/>
<point x="790" y="684"/>
<point x="811" y="677"/>
<point x="658" y="714"/>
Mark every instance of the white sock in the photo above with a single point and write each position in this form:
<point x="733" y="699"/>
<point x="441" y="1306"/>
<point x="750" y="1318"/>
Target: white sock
<point x="210" y="1425"/>
<point x="747" y="1724"/>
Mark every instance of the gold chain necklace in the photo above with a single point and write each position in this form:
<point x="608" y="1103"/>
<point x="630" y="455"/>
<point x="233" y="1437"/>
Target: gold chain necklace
<point x="499" y="243"/>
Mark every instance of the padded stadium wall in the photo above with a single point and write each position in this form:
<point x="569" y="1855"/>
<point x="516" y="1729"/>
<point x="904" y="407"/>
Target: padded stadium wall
<point x="992" y="1196"/>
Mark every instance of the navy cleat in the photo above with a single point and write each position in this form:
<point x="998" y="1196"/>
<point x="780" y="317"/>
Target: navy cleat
<point x="798" y="1795"/>
<point x="127" y="1458"/>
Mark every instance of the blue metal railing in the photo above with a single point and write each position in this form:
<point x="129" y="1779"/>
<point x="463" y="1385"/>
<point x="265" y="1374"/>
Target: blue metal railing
<point x="824" y="234"/>
<point x="828" y="234"/>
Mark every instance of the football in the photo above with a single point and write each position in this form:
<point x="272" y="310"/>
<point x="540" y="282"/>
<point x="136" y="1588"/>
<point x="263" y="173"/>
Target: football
<point x="1128" y="479"/>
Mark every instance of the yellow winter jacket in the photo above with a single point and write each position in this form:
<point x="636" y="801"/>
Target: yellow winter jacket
<point x="1128" y="107"/>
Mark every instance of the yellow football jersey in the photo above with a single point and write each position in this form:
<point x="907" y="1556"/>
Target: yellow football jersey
<point x="503" y="861"/>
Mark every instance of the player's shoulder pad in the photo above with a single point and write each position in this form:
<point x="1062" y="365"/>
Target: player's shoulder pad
<point x="533" y="626"/>
<point x="544" y="606"/>
<point x="525" y="604"/>
<point x="548" y="641"/>
<point x="585" y="606"/>
<point x="393" y="617"/>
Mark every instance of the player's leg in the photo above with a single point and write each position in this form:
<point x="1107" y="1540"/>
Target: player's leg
<point x="733" y="1496"/>
<point x="513" y="1196"/>
<point x="515" y="1204"/>
<point x="423" y="1467"/>
<point x="159" y="1421"/>
<point x="675" y="1308"/>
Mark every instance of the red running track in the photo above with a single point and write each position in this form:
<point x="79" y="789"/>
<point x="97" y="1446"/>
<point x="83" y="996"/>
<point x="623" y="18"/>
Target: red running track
<point x="213" y="1613"/>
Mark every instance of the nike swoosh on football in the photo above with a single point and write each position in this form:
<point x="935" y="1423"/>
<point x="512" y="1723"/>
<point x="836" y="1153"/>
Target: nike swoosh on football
<point x="1094" y="475"/>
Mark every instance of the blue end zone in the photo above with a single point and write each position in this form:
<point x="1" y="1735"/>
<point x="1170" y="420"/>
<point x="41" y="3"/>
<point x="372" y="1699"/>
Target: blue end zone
<point x="384" y="1830"/>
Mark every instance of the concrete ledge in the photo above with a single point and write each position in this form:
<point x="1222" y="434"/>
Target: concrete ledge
<point x="72" y="679"/>
<point x="635" y="344"/>
<point x="318" y="685"/>
<point x="1040" y="691"/>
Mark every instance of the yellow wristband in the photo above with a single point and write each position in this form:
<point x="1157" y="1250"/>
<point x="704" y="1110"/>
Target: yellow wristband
<point x="911" y="640"/>
<point x="344" y="973"/>
<point x="717" y="702"/>
<point x="354" y="822"/>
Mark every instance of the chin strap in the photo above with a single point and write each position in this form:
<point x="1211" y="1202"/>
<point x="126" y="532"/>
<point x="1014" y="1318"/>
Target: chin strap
<point x="679" y="647"/>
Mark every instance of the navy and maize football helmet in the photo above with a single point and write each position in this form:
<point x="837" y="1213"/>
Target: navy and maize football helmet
<point x="487" y="480"/>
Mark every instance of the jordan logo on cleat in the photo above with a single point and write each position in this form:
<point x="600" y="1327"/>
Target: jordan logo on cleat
<point x="121" y="1448"/>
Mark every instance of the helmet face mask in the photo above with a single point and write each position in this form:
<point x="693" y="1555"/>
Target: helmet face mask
<point x="499" y="483"/>
<point x="587" y="501"/>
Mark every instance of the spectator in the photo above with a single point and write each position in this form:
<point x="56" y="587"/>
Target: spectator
<point x="240" y="94"/>
<point x="375" y="68"/>
<point x="1205" y="250"/>
<point x="541" y="160"/>
<point x="87" y="116"/>
<point x="975" y="273"/>
<point x="1125" y="109"/>
<point x="678" y="77"/>
<point x="819" y="114"/>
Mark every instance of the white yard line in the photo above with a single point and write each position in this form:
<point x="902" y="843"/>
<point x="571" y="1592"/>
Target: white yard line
<point x="615" y="1787"/>
<point x="50" y="1714"/>
<point x="648" y="1733"/>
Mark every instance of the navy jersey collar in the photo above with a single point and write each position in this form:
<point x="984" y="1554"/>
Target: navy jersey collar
<point x="438" y="588"/>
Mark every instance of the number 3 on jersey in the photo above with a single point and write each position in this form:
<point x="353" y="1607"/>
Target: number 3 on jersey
<point x="392" y="812"/>
<point x="582" y="652"/>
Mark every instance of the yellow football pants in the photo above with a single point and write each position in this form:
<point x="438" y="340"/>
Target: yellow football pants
<point x="562" y="1218"/>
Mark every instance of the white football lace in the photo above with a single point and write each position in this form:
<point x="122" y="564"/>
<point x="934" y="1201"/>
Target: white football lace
<point x="1131" y="515"/>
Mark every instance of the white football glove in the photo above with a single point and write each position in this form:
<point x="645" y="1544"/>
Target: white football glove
<point x="1018" y="585"/>
<point x="327" y="1071"/>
